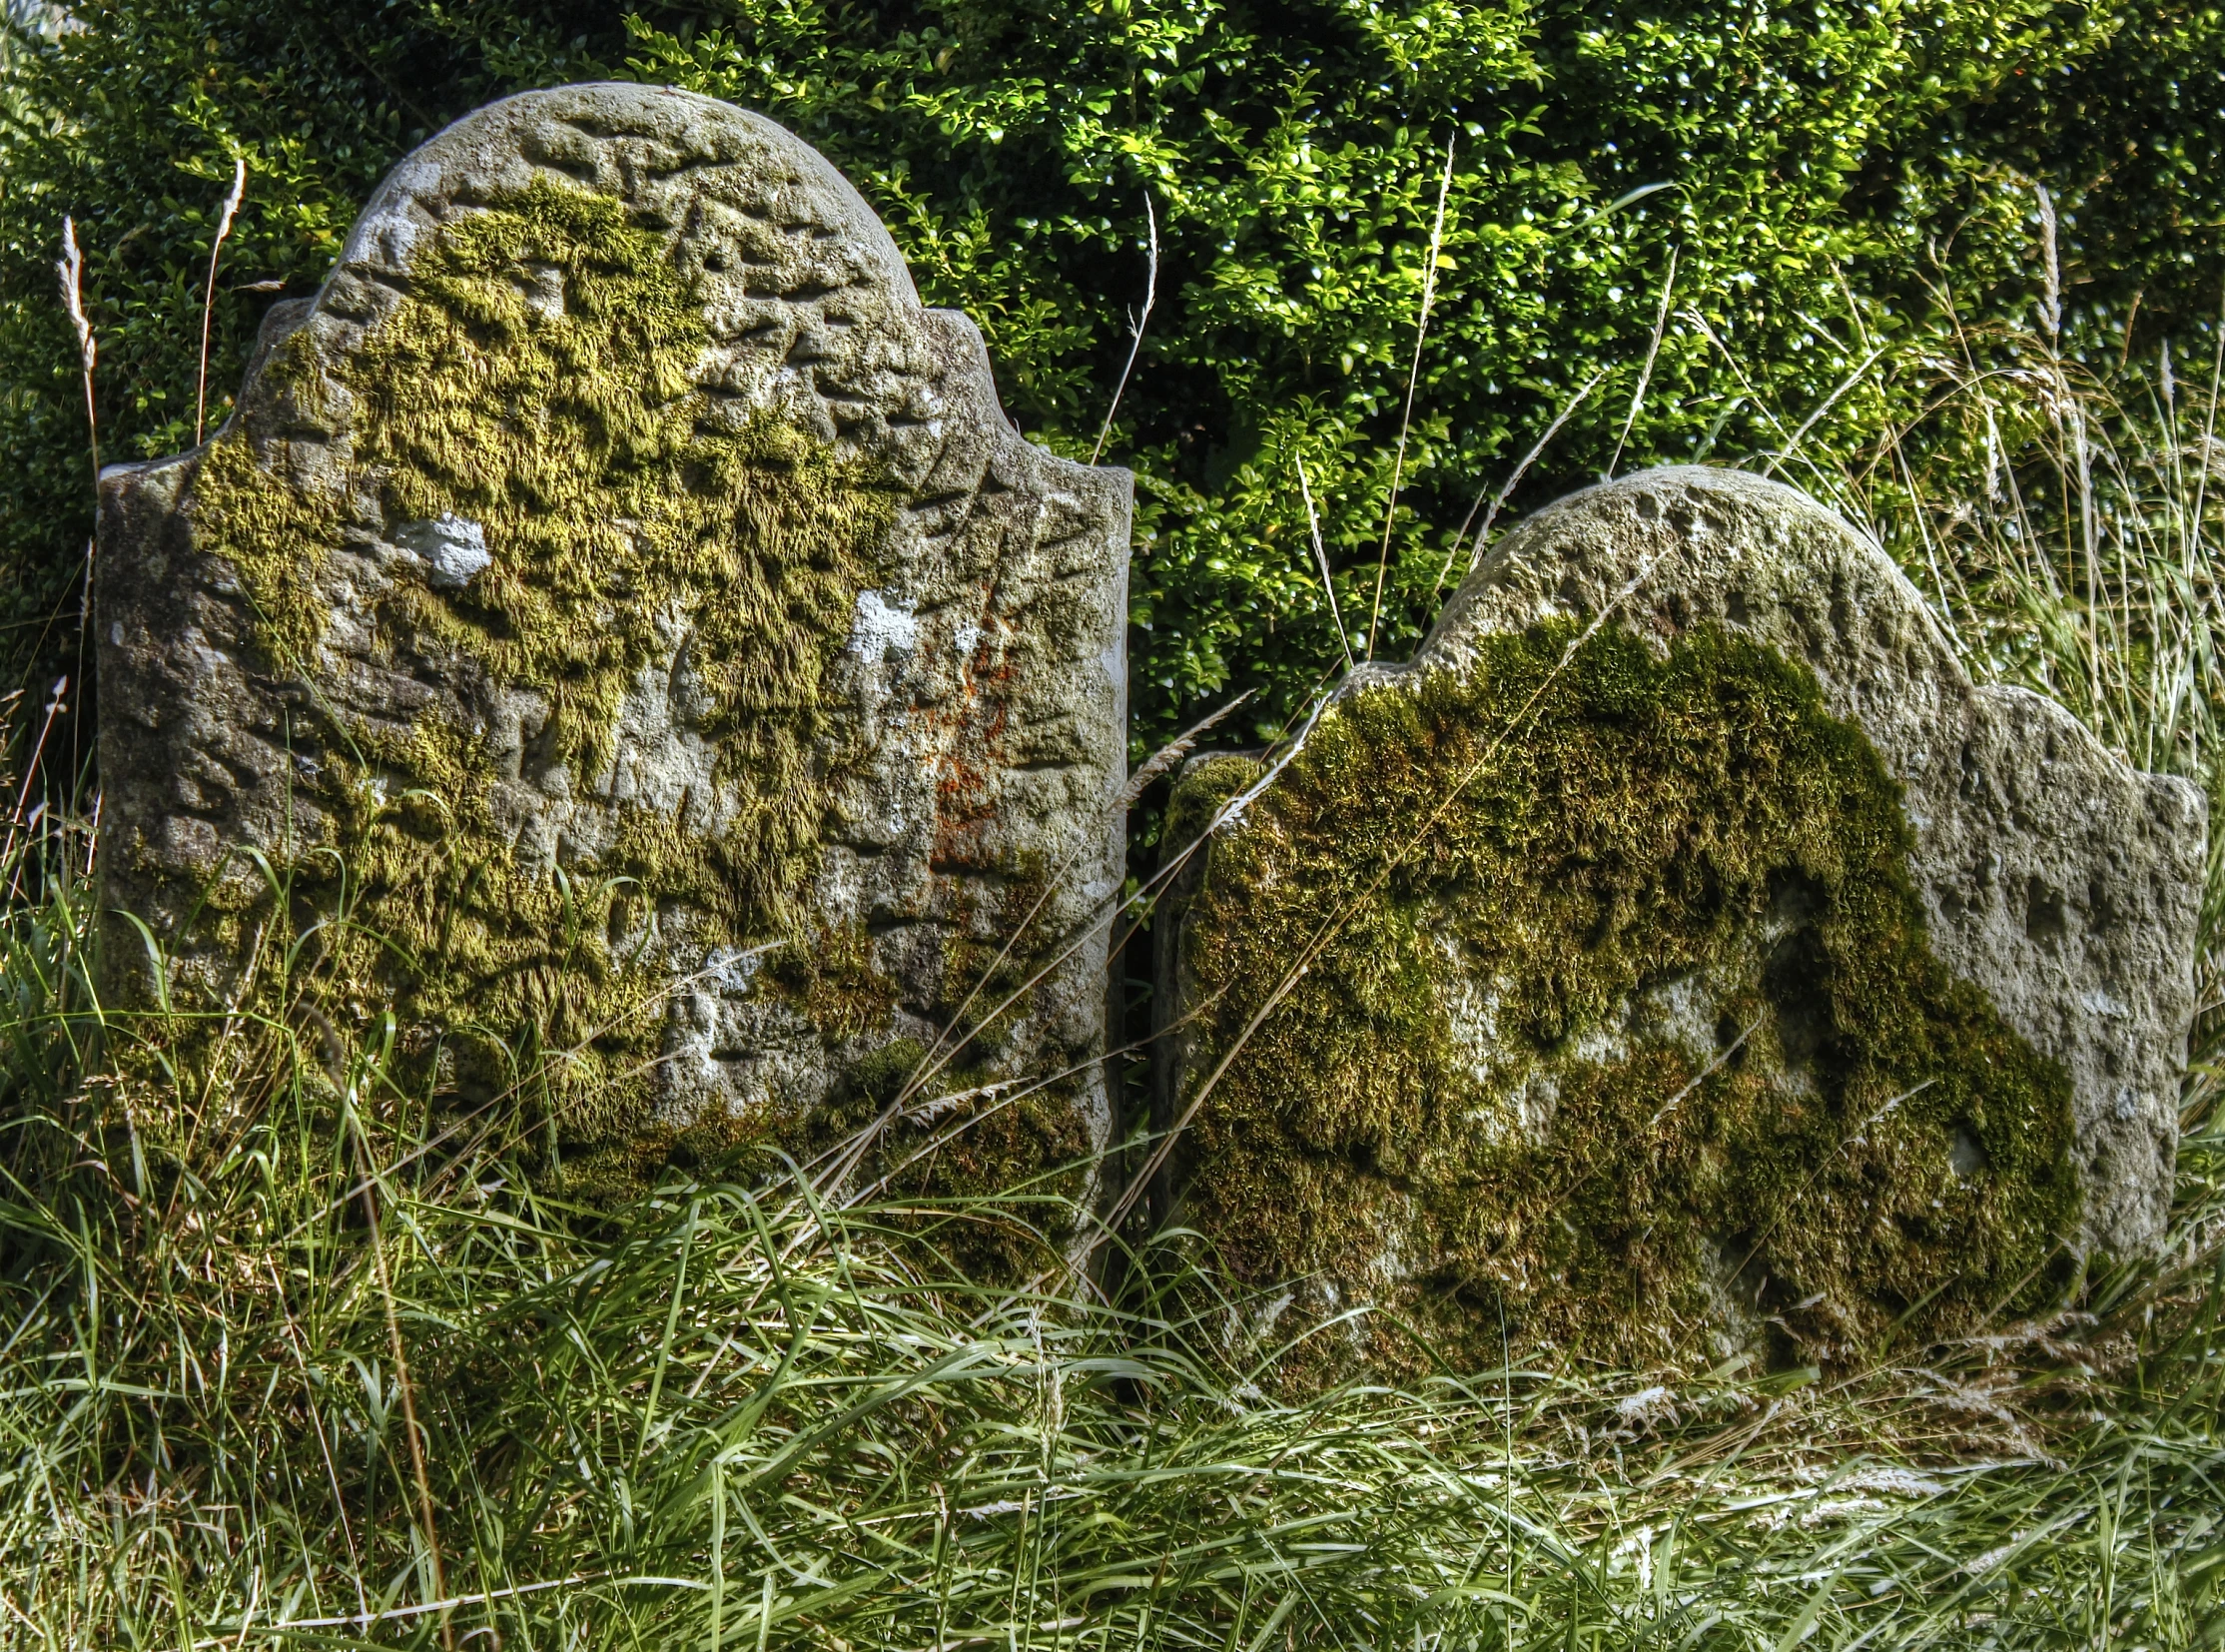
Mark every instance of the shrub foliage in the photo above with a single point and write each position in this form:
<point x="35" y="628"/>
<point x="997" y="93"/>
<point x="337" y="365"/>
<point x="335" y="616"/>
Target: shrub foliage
<point x="1291" y="157"/>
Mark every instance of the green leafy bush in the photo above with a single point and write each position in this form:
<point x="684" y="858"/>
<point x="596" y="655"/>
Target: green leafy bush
<point x="1291" y="156"/>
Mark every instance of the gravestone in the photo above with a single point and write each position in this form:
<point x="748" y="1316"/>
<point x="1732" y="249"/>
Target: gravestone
<point x="1681" y="957"/>
<point x="620" y="629"/>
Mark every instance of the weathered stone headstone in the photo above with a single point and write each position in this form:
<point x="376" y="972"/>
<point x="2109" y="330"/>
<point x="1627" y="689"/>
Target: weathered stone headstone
<point x="1694" y="960"/>
<point x="625" y="621"/>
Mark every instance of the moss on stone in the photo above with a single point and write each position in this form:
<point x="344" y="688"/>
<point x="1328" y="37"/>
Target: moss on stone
<point x="1642" y="1044"/>
<point x="537" y="378"/>
<point x="1206" y="784"/>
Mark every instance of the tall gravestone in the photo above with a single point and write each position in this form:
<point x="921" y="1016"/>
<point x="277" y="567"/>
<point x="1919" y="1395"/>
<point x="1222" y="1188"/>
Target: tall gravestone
<point x="1681" y="956"/>
<point x="619" y="627"/>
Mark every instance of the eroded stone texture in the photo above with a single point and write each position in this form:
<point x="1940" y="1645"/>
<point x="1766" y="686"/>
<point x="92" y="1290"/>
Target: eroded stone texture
<point x="649" y="601"/>
<point x="1703" y="961"/>
<point x="2054" y="876"/>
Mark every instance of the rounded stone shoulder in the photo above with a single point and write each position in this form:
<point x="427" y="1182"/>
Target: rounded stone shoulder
<point x="1666" y="549"/>
<point x="649" y="144"/>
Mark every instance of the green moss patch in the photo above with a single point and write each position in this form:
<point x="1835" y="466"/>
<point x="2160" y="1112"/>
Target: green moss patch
<point x="537" y="378"/>
<point x="1640" y="1050"/>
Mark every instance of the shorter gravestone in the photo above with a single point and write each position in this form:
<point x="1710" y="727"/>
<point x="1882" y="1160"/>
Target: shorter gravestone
<point x="620" y="631"/>
<point x="1681" y="956"/>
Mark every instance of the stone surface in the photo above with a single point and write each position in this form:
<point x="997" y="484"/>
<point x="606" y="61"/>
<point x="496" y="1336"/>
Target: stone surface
<point x="2057" y="877"/>
<point x="648" y="599"/>
<point x="1714" y="965"/>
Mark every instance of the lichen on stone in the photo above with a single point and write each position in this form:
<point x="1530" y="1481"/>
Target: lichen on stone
<point x="533" y="390"/>
<point x="1637" y="1051"/>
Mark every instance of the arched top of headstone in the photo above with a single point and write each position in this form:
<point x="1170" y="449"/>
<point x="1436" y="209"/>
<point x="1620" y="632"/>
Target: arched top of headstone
<point x="803" y="292"/>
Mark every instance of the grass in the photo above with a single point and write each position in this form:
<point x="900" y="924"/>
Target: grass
<point x="733" y="1415"/>
<point x="289" y="1357"/>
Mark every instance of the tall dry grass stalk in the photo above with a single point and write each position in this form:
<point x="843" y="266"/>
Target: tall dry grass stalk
<point x="70" y="270"/>
<point x="1414" y="381"/>
<point x="1136" y="329"/>
<point x="1506" y="489"/>
<point x="1322" y="563"/>
<point x="209" y="296"/>
<point x="2066" y="516"/>
<point x="1645" y="371"/>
